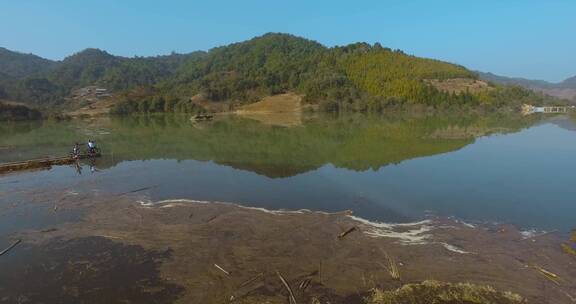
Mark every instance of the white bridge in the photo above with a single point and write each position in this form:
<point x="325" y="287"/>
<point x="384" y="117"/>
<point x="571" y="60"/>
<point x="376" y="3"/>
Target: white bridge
<point x="529" y="109"/>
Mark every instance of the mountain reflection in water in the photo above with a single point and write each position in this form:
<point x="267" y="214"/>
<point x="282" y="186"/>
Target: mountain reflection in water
<point x="389" y="168"/>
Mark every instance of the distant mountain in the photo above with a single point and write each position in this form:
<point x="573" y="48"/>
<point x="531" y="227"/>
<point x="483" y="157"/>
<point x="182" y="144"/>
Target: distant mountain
<point x="38" y="81"/>
<point x="19" y="65"/>
<point x="514" y="80"/>
<point x="357" y="77"/>
<point x="565" y="89"/>
<point x="569" y="83"/>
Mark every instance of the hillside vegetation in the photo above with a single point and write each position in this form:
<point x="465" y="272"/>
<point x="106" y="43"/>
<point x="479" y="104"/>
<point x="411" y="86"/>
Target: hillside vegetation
<point x="48" y="83"/>
<point x="14" y="64"/>
<point x="356" y="77"/>
<point x="17" y="112"/>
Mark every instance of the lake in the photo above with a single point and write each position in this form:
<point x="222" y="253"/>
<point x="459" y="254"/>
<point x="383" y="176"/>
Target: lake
<point x="392" y="168"/>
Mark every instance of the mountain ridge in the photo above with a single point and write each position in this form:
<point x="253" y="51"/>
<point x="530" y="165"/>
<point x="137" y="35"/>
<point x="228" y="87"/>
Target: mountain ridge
<point x="565" y="89"/>
<point x="356" y="77"/>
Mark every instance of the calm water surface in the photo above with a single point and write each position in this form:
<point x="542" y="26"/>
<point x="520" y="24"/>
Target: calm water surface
<point x="497" y="168"/>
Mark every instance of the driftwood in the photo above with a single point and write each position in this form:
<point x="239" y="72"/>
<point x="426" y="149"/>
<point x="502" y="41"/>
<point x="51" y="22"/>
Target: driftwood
<point x="222" y="269"/>
<point x="547" y="274"/>
<point x="212" y="218"/>
<point x="137" y="190"/>
<point x="345" y="233"/>
<point x="10" y="247"/>
<point x="251" y="280"/>
<point x="254" y="283"/>
<point x="292" y="298"/>
<point x="43" y="163"/>
<point x="304" y="284"/>
<point x="49" y="230"/>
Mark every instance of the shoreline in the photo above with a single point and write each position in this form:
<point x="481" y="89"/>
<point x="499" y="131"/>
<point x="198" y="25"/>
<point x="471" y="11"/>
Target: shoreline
<point x="194" y="235"/>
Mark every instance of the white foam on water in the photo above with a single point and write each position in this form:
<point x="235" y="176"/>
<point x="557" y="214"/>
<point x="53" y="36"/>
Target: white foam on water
<point x="146" y="203"/>
<point x="532" y="233"/>
<point x="465" y="223"/>
<point x="181" y="202"/>
<point x="453" y="248"/>
<point x="415" y="233"/>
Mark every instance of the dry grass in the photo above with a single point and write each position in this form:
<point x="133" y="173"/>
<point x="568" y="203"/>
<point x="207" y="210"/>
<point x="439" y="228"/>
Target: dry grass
<point x="459" y="85"/>
<point x="443" y="293"/>
<point x="569" y="247"/>
<point x="281" y="103"/>
<point x="99" y="107"/>
<point x="391" y="266"/>
<point x="279" y="110"/>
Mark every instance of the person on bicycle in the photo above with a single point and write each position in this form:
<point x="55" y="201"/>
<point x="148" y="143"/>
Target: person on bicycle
<point x="76" y="150"/>
<point x="91" y="147"/>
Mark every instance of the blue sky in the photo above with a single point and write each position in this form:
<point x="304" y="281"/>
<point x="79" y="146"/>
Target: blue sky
<point x="526" y="38"/>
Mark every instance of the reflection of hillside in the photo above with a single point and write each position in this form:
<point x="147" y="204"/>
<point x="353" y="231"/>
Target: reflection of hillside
<point x="567" y="123"/>
<point x="355" y="142"/>
<point x="458" y="132"/>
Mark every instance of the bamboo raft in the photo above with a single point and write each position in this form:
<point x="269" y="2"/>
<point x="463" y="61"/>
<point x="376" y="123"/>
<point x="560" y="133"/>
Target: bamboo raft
<point x="43" y="163"/>
<point x="202" y="117"/>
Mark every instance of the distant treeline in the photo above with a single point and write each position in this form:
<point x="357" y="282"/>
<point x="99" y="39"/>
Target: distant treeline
<point x="356" y="77"/>
<point x="18" y="112"/>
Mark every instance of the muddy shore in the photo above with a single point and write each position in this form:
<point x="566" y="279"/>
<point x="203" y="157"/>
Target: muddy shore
<point x="126" y="249"/>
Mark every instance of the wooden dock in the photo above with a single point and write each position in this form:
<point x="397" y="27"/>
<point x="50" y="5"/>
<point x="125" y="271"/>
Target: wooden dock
<point x="42" y="163"/>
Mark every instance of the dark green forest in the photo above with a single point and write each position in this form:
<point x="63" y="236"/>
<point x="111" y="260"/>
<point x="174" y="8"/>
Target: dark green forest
<point x="356" y="77"/>
<point x="18" y="112"/>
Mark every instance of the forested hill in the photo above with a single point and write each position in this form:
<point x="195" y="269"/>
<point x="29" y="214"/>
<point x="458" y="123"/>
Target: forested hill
<point x="355" y="77"/>
<point x="276" y="63"/>
<point x="16" y="65"/>
<point x="41" y="82"/>
<point x="97" y="67"/>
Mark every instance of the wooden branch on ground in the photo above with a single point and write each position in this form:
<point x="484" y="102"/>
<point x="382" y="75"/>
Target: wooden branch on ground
<point x="222" y="269"/>
<point x="249" y="281"/>
<point x="345" y="233"/>
<point x="292" y="298"/>
<point x="10" y="247"/>
<point x="138" y="190"/>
